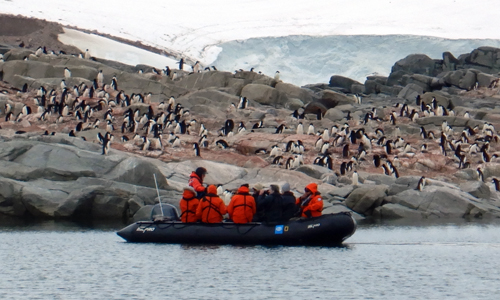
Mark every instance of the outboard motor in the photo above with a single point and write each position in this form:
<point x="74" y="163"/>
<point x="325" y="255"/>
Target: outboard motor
<point x="170" y="213"/>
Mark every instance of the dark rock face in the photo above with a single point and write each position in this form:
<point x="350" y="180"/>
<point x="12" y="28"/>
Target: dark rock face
<point x="343" y="82"/>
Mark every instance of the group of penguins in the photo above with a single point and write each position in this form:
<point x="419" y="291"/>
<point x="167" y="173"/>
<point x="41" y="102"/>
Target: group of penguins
<point x="354" y="145"/>
<point x="466" y="147"/>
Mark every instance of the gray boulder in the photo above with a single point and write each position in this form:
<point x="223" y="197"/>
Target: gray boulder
<point x="263" y="94"/>
<point x="293" y="91"/>
<point x="366" y="198"/>
<point x="477" y="189"/>
<point x="343" y="82"/>
<point x="396" y="211"/>
<point x="314" y="171"/>
<point x="410" y="91"/>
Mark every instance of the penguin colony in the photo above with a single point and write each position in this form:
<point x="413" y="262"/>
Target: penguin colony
<point x="131" y="122"/>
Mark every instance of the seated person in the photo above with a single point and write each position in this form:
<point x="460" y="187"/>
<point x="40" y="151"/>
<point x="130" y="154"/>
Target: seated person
<point x="290" y="209"/>
<point x="271" y="204"/>
<point x="242" y="206"/>
<point x="211" y="208"/>
<point x="189" y="204"/>
<point x="311" y="203"/>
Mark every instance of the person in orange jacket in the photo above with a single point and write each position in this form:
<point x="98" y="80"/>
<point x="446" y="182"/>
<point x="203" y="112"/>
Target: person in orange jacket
<point x="196" y="181"/>
<point x="242" y="206"/>
<point x="189" y="204"/>
<point x="311" y="203"/>
<point x="211" y="208"/>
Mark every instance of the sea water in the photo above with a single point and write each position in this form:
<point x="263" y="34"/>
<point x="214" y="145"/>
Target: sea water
<point x="59" y="260"/>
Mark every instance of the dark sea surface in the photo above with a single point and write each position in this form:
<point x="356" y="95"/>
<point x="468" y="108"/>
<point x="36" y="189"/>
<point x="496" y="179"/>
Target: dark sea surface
<point x="392" y="260"/>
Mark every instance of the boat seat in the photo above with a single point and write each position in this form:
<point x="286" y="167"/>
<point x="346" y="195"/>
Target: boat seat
<point x="164" y="212"/>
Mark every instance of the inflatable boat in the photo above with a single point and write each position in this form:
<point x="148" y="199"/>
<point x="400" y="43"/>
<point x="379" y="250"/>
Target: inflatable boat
<point x="326" y="230"/>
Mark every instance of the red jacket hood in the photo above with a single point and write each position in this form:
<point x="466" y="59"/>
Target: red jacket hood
<point x="212" y="189"/>
<point x="188" y="193"/>
<point x="313" y="187"/>
<point x="243" y="190"/>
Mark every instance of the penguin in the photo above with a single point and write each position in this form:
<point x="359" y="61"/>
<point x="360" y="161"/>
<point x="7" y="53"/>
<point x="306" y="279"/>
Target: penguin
<point x="300" y="128"/>
<point x="355" y="178"/>
<point x="105" y="146"/>
<point x="228" y="127"/>
<point x="388" y="147"/>
<point x="345" y="151"/>
<point x="319" y="114"/>
<point x="243" y="103"/>
<point x="241" y="127"/>
<point x="467" y="115"/>
<point x="220" y="190"/>
<point x="376" y="160"/>
<point x="386" y="169"/>
<point x="324" y="148"/>
<point x="109" y="126"/>
<point x="114" y="83"/>
<point x="326" y="135"/>
<point x="421" y="183"/>
<point x="423" y="148"/>
<point x="497" y="184"/>
<point x="203" y="142"/>
<point x="480" y="174"/>
<point x="100" y="78"/>
<point x="275" y="151"/>
<point x="67" y="73"/>
<point x="343" y="168"/>
<point x="181" y="64"/>
<point x="222" y="144"/>
<point x="277" y="76"/>
<point x="310" y="130"/>
<point x="395" y="171"/>
<point x="26" y="110"/>
<point x="289" y="163"/>
<point x="176" y="142"/>
<point x="72" y="133"/>
<point x="318" y="144"/>
<point x="290" y="146"/>
<point x="196" y="149"/>
<point x="146" y="143"/>
<point x="260" y="151"/>
<point x="196" y="67"/>
<point x="278" y="160"/>
<point x="87" y="54"/>
<point x="280" y="129"/>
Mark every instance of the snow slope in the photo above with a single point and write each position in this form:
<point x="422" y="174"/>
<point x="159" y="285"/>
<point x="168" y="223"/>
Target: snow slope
<point x="112" y="50"/>
<point x="196" y="28"/>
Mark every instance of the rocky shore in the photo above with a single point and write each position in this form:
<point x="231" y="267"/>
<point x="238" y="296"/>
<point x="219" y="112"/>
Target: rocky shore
<point x="90" y="149"/>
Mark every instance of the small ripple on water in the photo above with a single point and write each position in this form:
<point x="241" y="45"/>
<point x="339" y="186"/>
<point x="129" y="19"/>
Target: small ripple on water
<point x="376" y="263"/>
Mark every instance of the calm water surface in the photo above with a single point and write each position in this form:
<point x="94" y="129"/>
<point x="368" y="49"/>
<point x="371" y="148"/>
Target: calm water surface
<point x="381" y="261"/>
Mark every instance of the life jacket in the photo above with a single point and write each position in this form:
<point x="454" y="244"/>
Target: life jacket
<point x="242" y="206"/>
<point x="188" y="204"/>
<point x="314" y="203"/>
<point x="211" y="208"/>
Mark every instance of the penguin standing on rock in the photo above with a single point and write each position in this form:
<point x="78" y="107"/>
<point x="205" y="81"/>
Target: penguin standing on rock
<point x="421" y="183"/>
<point x="243" y="103"/>
<point x="196" y="149"/>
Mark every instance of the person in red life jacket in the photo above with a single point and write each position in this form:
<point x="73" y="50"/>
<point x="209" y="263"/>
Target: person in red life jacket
<point x="242" y="206"/>
<point x="196" y="181"/>
<point x="211" y="208"/>
<point x="311" y="203"/>
<point x="189" y="204"/>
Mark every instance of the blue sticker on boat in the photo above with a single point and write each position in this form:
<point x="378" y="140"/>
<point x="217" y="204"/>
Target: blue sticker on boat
<point x="278" y="229"/>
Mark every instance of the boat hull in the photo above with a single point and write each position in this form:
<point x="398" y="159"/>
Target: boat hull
<point x="324" y="230"/>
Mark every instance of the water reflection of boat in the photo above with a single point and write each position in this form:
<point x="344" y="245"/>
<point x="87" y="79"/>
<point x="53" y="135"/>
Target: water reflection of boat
<point x="331" y="229"/>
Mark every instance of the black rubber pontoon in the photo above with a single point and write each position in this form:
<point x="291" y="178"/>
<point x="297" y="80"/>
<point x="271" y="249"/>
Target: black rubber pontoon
<point x="331" y="229"/>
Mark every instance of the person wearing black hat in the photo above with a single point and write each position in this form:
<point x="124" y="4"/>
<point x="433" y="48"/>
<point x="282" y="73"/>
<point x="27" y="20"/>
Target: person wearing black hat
<point x="196" y="181"/>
